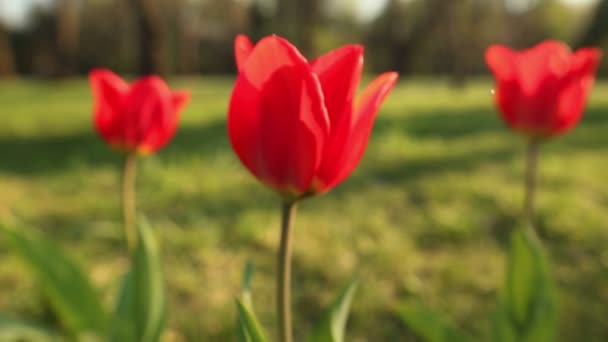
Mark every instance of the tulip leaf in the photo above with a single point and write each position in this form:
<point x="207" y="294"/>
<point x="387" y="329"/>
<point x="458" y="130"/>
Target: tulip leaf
<point x="242" y="335"/>
<point x="429" y="325"/>
<point x="123" y="323"/>
<point x="68" y="289"/>
<point x="248" y="324"/>
<point x="333" y="321"/>
<point x="149" y="289"/>
<point x="248" y="327"/>
<point x="528" y="308"/>
<point x="246" y="288"/>
<point x="12" y="330"/>
<point x="140" y="312"/>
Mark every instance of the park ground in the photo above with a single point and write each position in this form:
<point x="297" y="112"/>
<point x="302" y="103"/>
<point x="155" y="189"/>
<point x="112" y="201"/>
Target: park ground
<point x="425" y="216"/>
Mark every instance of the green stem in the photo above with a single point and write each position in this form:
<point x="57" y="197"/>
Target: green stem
<point x="288" y="212"/>
<point x="128" y="200"/>
<point x="531" y="171"/>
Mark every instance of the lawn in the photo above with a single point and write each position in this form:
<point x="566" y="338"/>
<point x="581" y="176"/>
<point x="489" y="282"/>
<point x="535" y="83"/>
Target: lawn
<point x="425" y="215"/>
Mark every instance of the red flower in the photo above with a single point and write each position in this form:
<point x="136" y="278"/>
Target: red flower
<point x="139" y="118"/>
<point x="294" y="124"/>
<point x="541" y="92"/>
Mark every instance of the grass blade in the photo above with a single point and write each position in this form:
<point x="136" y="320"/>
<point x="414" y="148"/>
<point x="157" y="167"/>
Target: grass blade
<point x="333" y="322"/>
<point x="249" y="324"/>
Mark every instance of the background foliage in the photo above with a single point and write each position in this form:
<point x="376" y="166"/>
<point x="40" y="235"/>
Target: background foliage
<point x="63" y="37"/>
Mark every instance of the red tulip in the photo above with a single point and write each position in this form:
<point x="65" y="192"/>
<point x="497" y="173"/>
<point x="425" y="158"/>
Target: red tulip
<point x="541" y="92"/>
<point x="295" y="124"/>
<point x="138" y="118"/>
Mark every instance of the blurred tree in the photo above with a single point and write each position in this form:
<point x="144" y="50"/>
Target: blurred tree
<point x="35" y="47"/>
<point x="7" y="59"/>
<point x="218" y="23"/>
<point x="528" y="27"/>
<point x="404" y="27"/>
<point x="66" y="35"/>
<point x="458" y="49"/>
<point x="151" y="55"/>
<point x="597" y="31"/>
<point x="108" y="36"/>
<point x="285" y="14"/>
<point x="435" y="37"/>
<point x="449" y="38"/>
<point x="308" y="15"/>
<point x="260" y="21"/>
<point x="184" y="37"/>
<point x="297" y="21"/>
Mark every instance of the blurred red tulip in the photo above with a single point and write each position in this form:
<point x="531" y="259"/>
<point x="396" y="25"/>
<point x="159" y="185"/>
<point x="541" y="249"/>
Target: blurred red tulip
<point x="138" y="118"/>
<point x="541" y="92"/>
<point x="294" y="124"/>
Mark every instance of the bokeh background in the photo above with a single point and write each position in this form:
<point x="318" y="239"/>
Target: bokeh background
<point x="426" y="215"/>
<point x="54" y="38"/>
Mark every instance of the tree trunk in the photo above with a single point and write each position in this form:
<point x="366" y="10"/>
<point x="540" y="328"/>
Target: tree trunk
<point x="458" y="49"/>
<point x="67" y="36"/>
<point x="152" y="55"/>
<point x="187" y="46"/>
<point x="403" y="48"/>
<point x="309" y="12"/>
<point x="285" y="25"/>
<point x="7" y="59"/>
<point x="297" y="21"/>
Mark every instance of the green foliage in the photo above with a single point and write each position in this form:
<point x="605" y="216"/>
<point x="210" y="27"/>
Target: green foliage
<point x="140" y="313"/>
<point x="429" y="325"/>
<point x="527" y="309"/>
<point x="332" y="325"/>
<point x="67" y="288"/>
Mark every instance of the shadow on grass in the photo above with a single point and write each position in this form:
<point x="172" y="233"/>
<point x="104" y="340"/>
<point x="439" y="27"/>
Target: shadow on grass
<point x="34" y="156"/>
<point x="37" y="156"/>
<point x="442" y="124"/>
<point x="46" y="154"/>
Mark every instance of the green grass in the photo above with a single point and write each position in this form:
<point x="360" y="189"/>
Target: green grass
<point x="425" y="215"/>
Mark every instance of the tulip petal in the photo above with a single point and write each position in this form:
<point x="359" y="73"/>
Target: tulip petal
<point x="108" y="92"/>
<point x="585" y="63"/>
<point x="242" y="50"/>
<point x="501" y="60"/>
<point x="529" y="84"/>
<point x="339" y="72"/>
<point x="549" y="59"/>
<point x="180" y="99"/>
<point x="149" y="119"/>
<point x="544" y="73"/>
<point x="276" y="119"/>
<point x="351" y="141"/>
